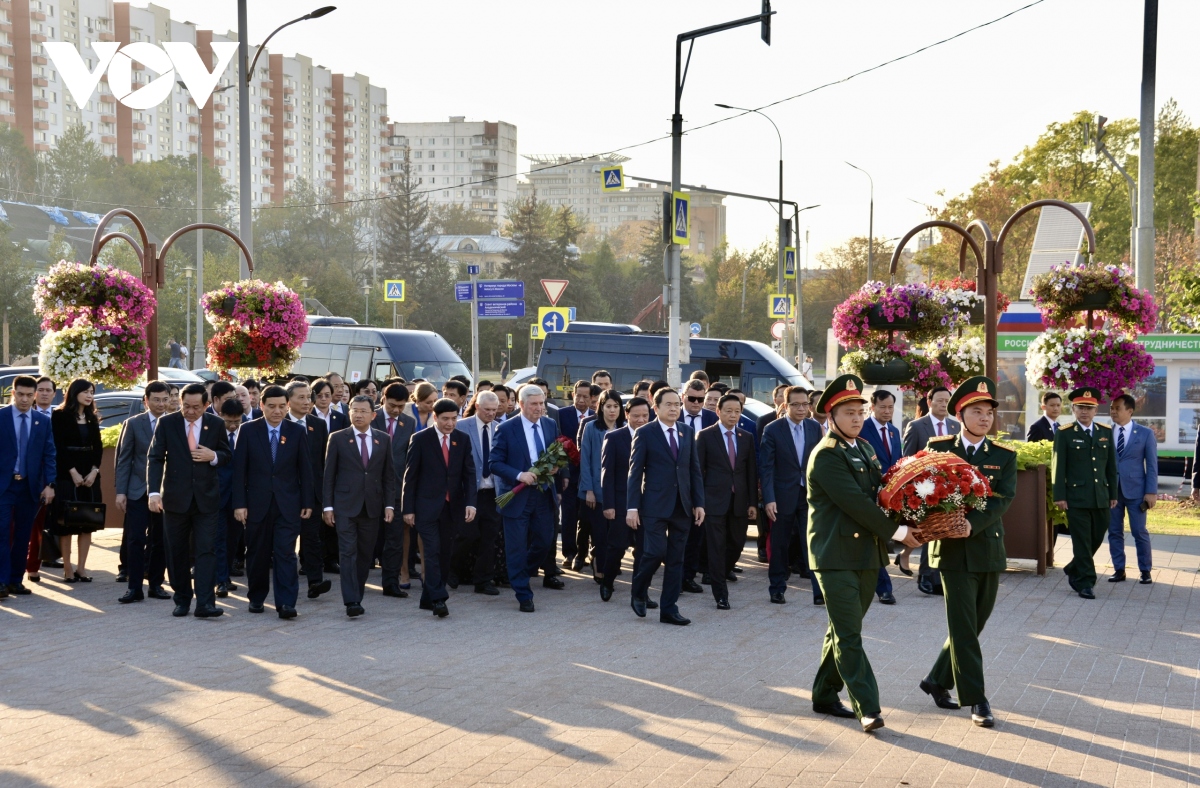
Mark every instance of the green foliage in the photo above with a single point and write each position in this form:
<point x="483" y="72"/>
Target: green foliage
<point x="18" y="166"/>
<point x="16" y="299"/>
<point x="455" y="219"/>
<point x="1031" y="454"/>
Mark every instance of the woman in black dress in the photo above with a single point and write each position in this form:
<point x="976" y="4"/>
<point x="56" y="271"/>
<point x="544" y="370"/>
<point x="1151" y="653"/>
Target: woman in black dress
<point x="79" y="449"/>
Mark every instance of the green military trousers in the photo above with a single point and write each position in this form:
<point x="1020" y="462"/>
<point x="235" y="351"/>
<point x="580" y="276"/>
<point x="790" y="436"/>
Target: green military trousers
<point x="848" y="594"/>
<point x="970" y="597"/>
<point x="1088" y="527"/>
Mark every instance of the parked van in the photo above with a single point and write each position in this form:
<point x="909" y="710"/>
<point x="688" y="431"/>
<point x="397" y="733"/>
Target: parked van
<point x="630" y="355"/>
<point x="338" y="344"/>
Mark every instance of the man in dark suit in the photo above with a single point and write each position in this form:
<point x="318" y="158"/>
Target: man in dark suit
<point x="231" y="533"/>
<point x="744" y="421"/>
<point x="1046" y="427"/>
<point x="778" y="396"/>
<point x="665" y="495"/>
<point x="529" y="516"/>
<point x="438" y="495"/>
<point x="615" y="450"/>
<point x="272" y="494"/>
<point x="359" y="487"/>
<point x="181" y="475"/>
<point x="299" y="401"/>
<point x="1137" y="488"/>
<point x="395" y="535"/>
<point x="475" y="554"/>
<point x="142" y="533"/>
<point x="938" y="423"/>
<point x="569" y="419"/>
<point x="884" y="438"/>
<point x="727" y="463"/>
<point x="783" y="469"/>
<point x="27" y="472"/>
<point x="694" y="414"/>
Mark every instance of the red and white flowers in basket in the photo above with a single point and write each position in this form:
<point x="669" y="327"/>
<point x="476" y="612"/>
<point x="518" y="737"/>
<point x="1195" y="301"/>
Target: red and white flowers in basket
<point x="930" y="482"/>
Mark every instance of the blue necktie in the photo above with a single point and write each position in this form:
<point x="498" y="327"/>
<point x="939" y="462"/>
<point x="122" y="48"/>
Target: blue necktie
<point x="1120" y="441"/>
<point x="487" y="452"/>
<point x="274" y="444"/>
<point x="798" y="440"/>
<point x="537" y="441"/>
<point x="22" y="443"/>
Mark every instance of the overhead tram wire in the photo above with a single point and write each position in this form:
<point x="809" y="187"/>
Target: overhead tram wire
<point x="380" y="197"/>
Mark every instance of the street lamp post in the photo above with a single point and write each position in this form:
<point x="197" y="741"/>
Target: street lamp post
<point x="245" y="73"/>
<point x="799" y="283"/>
<point x="870" y="226"/>
<point x="304" y="280"/>
<point x="366" y="290"/>
<point x="673" y="250"/>
<point x="188" y="271"/>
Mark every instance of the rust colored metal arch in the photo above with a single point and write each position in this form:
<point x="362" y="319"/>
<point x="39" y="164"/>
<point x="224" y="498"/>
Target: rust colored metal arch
<point x="167" y="244"/>
<point x="966" y="236"/>
<point x="1066" y="206"/>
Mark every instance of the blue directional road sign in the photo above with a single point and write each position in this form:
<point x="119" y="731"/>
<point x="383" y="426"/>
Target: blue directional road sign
<point x="553" y="318"/>
<point x="789" y="262"/>
<point x="472" y="270"/>
<point x="492" y="289"/>
<point x="462" y="291"/>
<point x="496" y="310"/>
<point x="571" y="314"/>
<point x="694" y="328"/>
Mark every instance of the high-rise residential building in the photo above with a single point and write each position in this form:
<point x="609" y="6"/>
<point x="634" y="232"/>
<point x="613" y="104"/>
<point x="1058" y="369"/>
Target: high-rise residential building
<point x="305" y="121"/>
<point x="469" y="163"/>
<point x="574" y="180"/>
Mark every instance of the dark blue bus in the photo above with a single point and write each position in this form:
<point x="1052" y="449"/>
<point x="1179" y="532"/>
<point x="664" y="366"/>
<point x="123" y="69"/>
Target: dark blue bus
<point x="630" y="355"/>
<point x="338" y="344"/>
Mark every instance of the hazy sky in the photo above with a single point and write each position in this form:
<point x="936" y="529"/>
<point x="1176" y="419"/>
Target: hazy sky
<point x="584" y="77"/>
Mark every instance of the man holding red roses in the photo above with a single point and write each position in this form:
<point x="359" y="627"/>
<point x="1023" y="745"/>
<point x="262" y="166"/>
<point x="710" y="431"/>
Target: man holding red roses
<point x="971" y="567"/>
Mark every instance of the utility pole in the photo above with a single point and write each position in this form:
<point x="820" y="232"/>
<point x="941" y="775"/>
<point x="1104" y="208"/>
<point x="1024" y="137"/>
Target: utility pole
<point x="1145" y="229"/>
<point x="198" y="354"/>
<point x="245" y="195"/>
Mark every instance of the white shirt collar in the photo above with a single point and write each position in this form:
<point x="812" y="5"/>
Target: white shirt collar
<point x="530" y="424"/>
<point x="967" y="441"/>
<point x="631" y="429"/>
<point x="366" y="432"/>
<point x="880" y="426"/>
<point x="666" y="427"/>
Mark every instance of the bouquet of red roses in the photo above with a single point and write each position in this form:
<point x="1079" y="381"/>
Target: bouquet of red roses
<point x="556" y="456"/>
<point x="931" y="491"/>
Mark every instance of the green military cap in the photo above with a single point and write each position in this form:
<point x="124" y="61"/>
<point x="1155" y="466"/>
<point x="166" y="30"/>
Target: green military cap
<point x="980" y="388"/>
<point x="846" y="388"/>
<point x="1085" y="396"/>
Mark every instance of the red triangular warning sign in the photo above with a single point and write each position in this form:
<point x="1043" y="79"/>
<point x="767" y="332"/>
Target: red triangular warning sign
<point x="554" y="289"/>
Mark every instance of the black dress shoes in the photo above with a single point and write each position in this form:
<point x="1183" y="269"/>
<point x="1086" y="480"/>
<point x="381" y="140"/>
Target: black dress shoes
<point x="527" y="606"/>
<point x="692" y="587"/>
<point x="651" y="604"/>
<point x="208" y="612"/>
<point x="286" y="611"/>
<point x="487" y="589"/>
<point x="425" y="604"/>
<point x="354" y="610"/>
<point x="722" y="604"/>
<point x="981" y="715"/>
<point x="553" y="582"/>
<point x="316" y="589"/>
<point x="762" y="556"/>
<point x="18" y="589"/>
<point x="131" y="596"/>
<point x="452" y="580"/>
<point x="253" y="608"/>
<point x="872" y="722"/>
<point x="819" y="601"/>
<point x="605" y="593"/>
<point x="706" y="579"/>
<point x="180" y="611"/>
<point x="730" y="577"/>
<point x="579" y="564"/>
<point x="777" y="599"/>
<point x="639" y="606"/>
<point x="440" y="610"/>
<point x="1146" y="579"/>
<point x="122" y="577"/>
<point x="1087" y="593"/>
<point x="674" y="618"/>
<point x="1072" y="584"/>
<point x="941" y="695"/>
<point x="391" y="589"/>
<point x="333" y="568"/>
<point x="925" y="586"/>
<point x="1117" y="576"/>
<point x="238" y="569"/>
<point x="886" y="598"/>
<point x="222" y="591"/>
<point x="737" y="570"/>
<point x="835" y="709"/>
<point x="55" y="564"/>
<point x="157" y="592"/>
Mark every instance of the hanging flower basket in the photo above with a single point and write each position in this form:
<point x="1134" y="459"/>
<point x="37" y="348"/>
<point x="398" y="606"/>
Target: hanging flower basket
<point x="1068" y="289"/>
<point x="860" y="321"/>
<point x="1111" y="361"/>
<point x="962" y="298"/>
<point x="895" y="365"/>
<point x="879" y="320"/>
<point x="891" y="373"/>
<point x="260" y="327"/>
<point x="960" y="357"/>
<point x="111" y="356"/>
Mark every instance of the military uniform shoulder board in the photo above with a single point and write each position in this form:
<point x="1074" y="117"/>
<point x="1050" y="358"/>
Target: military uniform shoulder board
<point x="829" y="442"/>
<point x="1002" y="446"/>
<point x="1067" y="427"/>
<point x="943" y="438"/>
<point x="1105" y="426"/>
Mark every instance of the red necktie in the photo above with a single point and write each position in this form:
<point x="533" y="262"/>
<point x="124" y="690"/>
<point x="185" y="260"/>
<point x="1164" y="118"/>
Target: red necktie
<point x="391" y="427"/>
<point x="729" y="448"/>
<point x="366" y="458"/>
<point x="939" y="428"/>
<point x="446" y="450"/>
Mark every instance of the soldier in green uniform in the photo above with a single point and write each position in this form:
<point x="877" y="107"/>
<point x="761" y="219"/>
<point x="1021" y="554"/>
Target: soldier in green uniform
<point x="847" y="543"/>
<point x="1085" y="484"/>
<point x="971" y="567"/>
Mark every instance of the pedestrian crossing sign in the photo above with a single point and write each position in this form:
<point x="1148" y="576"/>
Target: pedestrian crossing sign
<point x="681" y="223"/>
<point x="393" y="290"/>
<point x="781" y="306"/>
<point x="789" y="262"/>
<point x="535" y="331"/>
<point x="612" y="179"/>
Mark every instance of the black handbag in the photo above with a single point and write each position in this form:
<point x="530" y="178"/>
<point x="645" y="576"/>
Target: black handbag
<point x="84" y="515"/>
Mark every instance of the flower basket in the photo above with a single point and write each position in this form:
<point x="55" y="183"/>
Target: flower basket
<point x="931" y="491"/>
<point x="1094" y="301"/>
<point x="890" y="373"/>
<point x="920" y="312"/>
<point x="945" y="525"/>
<point x="1111" y="361"/>
<point x="111" y="356"/>
<point x="962" y="298"/>
<point x="260" y="327"/>
<point x="1068" y="289"/>
<point x="977" y="314"/>
<point x="228" y="305"/>
<point x="960" y="358"/>
<point x="879" y="321"/>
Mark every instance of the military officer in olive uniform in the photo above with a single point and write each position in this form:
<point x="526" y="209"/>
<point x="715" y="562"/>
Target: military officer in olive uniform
<point x="847" y="541"/>
<point x="1085" y="484"/>
<point x="971" y="567"/>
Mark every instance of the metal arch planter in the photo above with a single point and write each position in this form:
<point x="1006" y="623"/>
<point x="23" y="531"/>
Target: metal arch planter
<point x="977" y="314"/>
<point x="877" y="320"/>
<point x="1101" y="300"/>
<point x="892" y="373"/>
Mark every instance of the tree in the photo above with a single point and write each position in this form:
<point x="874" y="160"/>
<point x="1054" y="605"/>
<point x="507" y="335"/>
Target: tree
<point x="77" y="166"/>
<point x="739" y="285"/>
<point x="18" y="167"/>
<point x="455" y="219"/>
<point x="16" y="299"/>
<point x="841" y="271"/>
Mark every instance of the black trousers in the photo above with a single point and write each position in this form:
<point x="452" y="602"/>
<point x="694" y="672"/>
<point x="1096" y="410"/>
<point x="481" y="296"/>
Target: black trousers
<point x="438" y="537"/>
<point x="663" y="543"/>
<point x="356" y="541"/>
<point x="475" y="551"/>
<point x="694" y="554"/>
<point x="617" y="538"/>
<point x="182" y="531"/>
<point x="312" y="546"/>
<point x="142" y="542"/>
<point x="725" y="536"/>
<point x="569" y="508"/>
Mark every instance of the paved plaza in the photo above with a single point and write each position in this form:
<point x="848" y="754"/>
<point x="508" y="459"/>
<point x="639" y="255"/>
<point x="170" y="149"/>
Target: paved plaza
<point x="582" y="693"/>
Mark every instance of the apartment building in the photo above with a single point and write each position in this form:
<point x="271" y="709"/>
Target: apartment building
<point x="305" y="121"/>
<point x="574" y="180"/>
<point x="469" y="163"/>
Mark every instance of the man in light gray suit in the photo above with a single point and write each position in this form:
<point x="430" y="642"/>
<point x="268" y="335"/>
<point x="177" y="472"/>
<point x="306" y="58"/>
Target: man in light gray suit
<point x="400" y="427"/>
<point x="143" y="534"/>
<point x="359" y="486"/>
<point x="1137" y="484"/>
<point x="916" y="435"/>
<point x="475" y="554"/>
